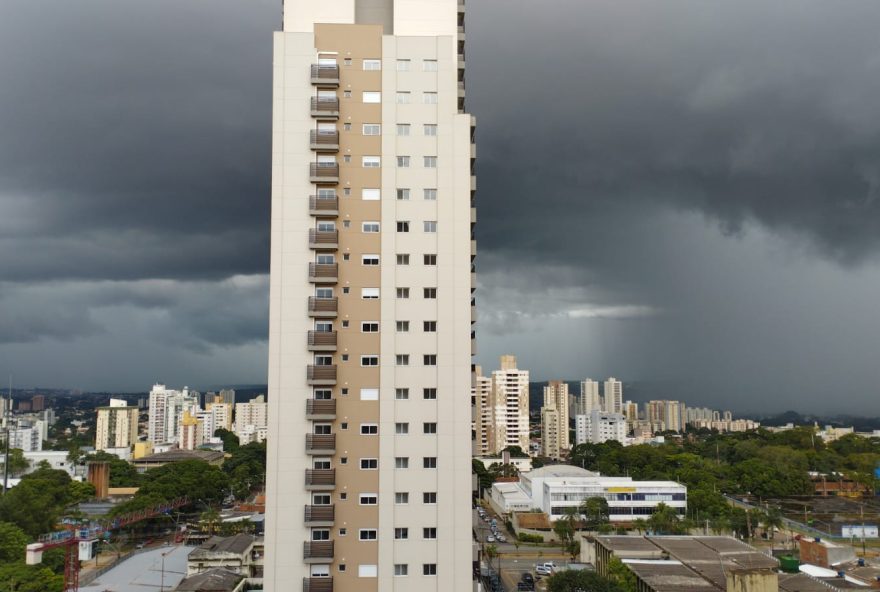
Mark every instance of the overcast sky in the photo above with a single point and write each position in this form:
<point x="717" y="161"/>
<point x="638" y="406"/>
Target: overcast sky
<point x="684" y="194"/>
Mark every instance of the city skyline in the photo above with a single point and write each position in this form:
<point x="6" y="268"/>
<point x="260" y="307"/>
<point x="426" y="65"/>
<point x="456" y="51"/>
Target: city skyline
<point x="660" y="245"/>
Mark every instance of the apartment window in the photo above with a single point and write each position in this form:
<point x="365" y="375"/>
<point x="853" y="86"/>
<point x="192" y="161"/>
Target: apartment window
<point x="343" y="531"/>
<point x="430" y="129"/>
<point x="429" y="393"/>
<point x="430" y="194"/>
<point x="429" y="532"/>
<point x="370" y="227"/>
<point x="430" y="293"/>
<point x="401" y="428"/>
<point x="401" y="462"/>
<point x="370" y="293"/>
<point x="372" y="65"/>
<point x="323" y="429"/>
<point x="373" y="162"/>
<point x="347" y="61"/>
<point x="346" y="224"/>
<point x="429" y="65"/>
<point x="321" y="535"/>
<point x="373" y="97"/>
<point x="369" y="394"/>
<point x="429" y="569"/>
<point x="323" y="394"/>
<point x="367" y="534"/>
<point x="370" y="499"/>
<point x="346" y="191"/>
<point x="402" y="129"/>
<point x="401" y="569"/>
<point x="429" y="260"/>
<point x="346" y="94"/>
<point x="402" y="226"/>
<point x="371" y="259"/>
<point x="402" y="359"/>
<point x="428" y="462"/>
<point x="401" y="534"/>
<point x="401" y="497"/>
<point x="428" y="98"/>
<point x="402" y="259"/>
<point x="403" y="98"/>
<point x="429" y="225"/>
<point x="429" y="497"/>
<point x="369" y="464"/>
<point x="430" y="162"/>
<point x="346" y="158"/>
<point x="402" y="65"/>
<point x="369" y="429"/>
<point x="429" y="427"/>
<point x="370" y="327"/>
<point x="346" y="127"/>
<point x="402" y="326"/>
<point x="371" y="194"/>
<point x="372" y="129"/>
<point x="429" y="326"/>
<point x="403" y="194"/>
<point x="403" y="293"/>
<point x="429" y="360"/>
<point x="403" y="162"/>
<point x="401" y="394"/>
<point x="346" y="256"/>
<point x="369" y="360"/>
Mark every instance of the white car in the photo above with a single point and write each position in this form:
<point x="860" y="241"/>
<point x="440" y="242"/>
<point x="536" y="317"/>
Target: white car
<point x="490" y="539"/>
<point x="542" y="570"/>
<point x="501" y="539"/>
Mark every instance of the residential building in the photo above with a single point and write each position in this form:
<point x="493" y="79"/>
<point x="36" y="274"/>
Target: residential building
<point x="371" y="283"/>
<point x="554" y="420"/>
<point x="631" y="411"/>
<point x="38" y="402"/>
<point x="240" y="553"/>
<point x="217" y="579"/>
<point x="483" y="414"/>
<point x="26" y="437"/>
<point x="589" y="397"/>
<point x="190" y="435"/>
<point x="509" y="401"/>
<point x="251" y="420"/>
<point x="226" y="396"/>
<point x="556" y="489"/>
<point x="166" y="407"/>
<point x="613" y="396"/>
<point x="599" y="426"/>
<point x="117" y="425"/>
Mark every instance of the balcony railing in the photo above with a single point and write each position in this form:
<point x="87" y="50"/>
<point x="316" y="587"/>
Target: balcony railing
<point x="323" y="206"/>
<point x="318" y="584"/>
<point x="328" y="74"/>
<point x="325" y="107"/>
<point x="317" y="550"/>
<point x="323" y="239"/>
<point x="320" y="443"/>
<point x="323" y="273"/>
<point x="321" y="375"/>
<point x="322" y="341"/>
<point x="320" y="408"/>
<point x="324" y="140"/>
<point x="323" y="307"/>
<point x="324" y="172"/>
<point x="323" y="514"/>
<point x="320" y="479"/>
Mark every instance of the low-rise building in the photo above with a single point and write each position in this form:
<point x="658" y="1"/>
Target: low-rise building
<point x="240" y="554"/>
<point x="599" y="426"/>
<point x="213" y="580"/>
<point x="151" y="461"/>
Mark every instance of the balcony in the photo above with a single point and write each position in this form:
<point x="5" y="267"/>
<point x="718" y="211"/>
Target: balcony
<point x="323" y="239"/>
<point x="321" y="375"/>
<point x="323" y="273"/>
<point x="323" y="206"/>
<point x="323" y="308"/>
<point x="319" y="516"/>
<point x="323" y="444"/>
<point x="324" y="172"/>
<point x="317" y="551"/>
<point x="326" y="74"/>
<point x="322" y="341"/>
<point x="320" y="479"/>
<point x="317" y="584"/>
<point x="325" y="107"/>
<point x="324" y="141"/>
<point x="321" y="409"/>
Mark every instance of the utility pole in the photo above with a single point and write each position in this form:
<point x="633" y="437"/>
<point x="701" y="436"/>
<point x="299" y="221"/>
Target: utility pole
<point x="6" y="407"/>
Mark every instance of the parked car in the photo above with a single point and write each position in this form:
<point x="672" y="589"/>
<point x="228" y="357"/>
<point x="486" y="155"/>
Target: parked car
<point x="502" y="538"/>
<point x="490" y="539"/>
<point x="542" y="571"/>
<point x="528" y="578"/>
<point x="550" y="565"/>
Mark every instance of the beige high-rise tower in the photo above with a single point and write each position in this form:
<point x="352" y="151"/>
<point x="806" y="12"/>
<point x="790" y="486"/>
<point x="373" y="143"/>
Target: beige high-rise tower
<point x="554" y="420"/>
<point x="370" y="341"/>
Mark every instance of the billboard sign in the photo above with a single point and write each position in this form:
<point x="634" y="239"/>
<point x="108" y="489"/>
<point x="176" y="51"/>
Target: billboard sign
<point x="858" y="531"/>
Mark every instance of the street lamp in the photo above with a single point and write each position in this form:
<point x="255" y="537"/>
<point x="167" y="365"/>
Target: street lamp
<point x="162" y="583"/>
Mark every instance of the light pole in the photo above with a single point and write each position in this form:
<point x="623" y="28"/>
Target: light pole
<point x="162" y="583"/>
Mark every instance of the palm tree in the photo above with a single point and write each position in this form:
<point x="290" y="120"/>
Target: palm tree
<point x="772" y="521"/>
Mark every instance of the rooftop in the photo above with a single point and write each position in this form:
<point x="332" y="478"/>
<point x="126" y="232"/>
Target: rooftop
<point x="558" y="472"/>
<point x="237" y="545"/>
<point x="180" y="455"/>
<point x="212" y="580"/>
<point x="143" y="571"/>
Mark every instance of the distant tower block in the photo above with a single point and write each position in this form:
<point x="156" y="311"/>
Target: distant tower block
<point x="99" y="476"/>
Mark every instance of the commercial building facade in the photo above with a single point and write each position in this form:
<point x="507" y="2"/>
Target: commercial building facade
<point x="370" y="343"/>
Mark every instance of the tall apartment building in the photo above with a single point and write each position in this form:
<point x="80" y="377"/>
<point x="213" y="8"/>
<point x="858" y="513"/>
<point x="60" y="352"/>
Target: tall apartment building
<point x="590" y="398"/>
<point x="554" y="420"/>
<point x="166" y="407"/>
<point x="510" y="406"/>
<point x="613" y="396"/>
<point x="251" y="420"/>
<point x="631" y="411"/>
<point x="482" y="405"/>
<point x="190" y="433"/>
<point x="371" y="309"/>
<point x="599" y="426"/>
<point x="117" y="425"/>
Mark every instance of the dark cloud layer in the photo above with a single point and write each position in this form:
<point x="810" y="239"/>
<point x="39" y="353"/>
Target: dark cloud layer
<point x="680" y="192"/>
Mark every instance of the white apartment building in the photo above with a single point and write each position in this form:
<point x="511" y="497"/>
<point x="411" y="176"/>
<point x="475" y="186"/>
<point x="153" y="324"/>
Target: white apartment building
<point x="510" y="406"/>
<point x="554" y="420"/>
<point x="589" y="397"/>
<point x="599" y="426"/>
<point x="370" y="299"/>
<point x="613" y="396"/>
<point x="251" y="420"/>
<point x="117" y="425"/>
<point x="166" y="406"/>
<point x="28" y="439"/>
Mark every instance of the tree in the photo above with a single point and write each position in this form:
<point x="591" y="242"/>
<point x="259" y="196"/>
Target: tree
<point x="122" y="473"/>
<point x="595" y="511"/>
<point x="565" y="529"/>
<point x="17" y="462"/>
<point x="664" y="520"/>
<point x="13" y="541"/>
<point x="772" y="520"/>
<point x="37" y="502"/>
<point x="246" y="468"/>
<point x="579" y="580"/>
<point x="18" y="577"/>
<point x="621" y="575"/>
<point x="195" y="479"/>
<point x="230" y="440"/>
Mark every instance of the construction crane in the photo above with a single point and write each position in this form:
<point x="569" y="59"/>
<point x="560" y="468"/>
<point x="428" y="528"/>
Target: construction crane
<point x="78" y="541"/>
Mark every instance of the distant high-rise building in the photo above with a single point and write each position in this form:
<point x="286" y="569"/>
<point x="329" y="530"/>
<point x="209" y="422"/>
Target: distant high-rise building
<point x="190" y="432"/>
<point x="554" y="420"/>
<point x="599" y="426"/>
<point x="251" y="420"/>
<point x="510" y="402"/>
<point x="38" y="402"/>
<point x="672" y="416"/>
<point x="631" y="412"/>
<point x="117" y="425"/>
<point x="590" y="398"/>
<point x="613" y="396"/>
<point x="228" y="396"/>
<point x="166" y="407"/>
<point x="481" y="398"/>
